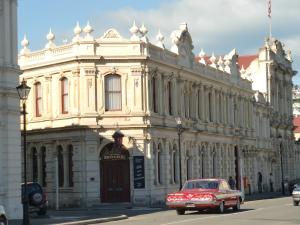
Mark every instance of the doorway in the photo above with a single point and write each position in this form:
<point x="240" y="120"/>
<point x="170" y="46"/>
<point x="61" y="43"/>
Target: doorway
<point x="115" y="174"/>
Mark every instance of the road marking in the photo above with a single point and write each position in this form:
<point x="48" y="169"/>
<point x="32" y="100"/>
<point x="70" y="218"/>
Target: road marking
<point x="223" y="215"/>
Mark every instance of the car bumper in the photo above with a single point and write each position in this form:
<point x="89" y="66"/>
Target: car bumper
<point x="193" y="204"/>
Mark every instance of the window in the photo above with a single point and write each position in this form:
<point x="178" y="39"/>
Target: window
<point x="170" y="98"/>
<point x="34" y="165"/>
<point x="158" y="165"/>
<point x="210" y="107"/>
<point x="64" y="95"/>
<point x="60" y="168"/>
<point x="174" y="164"/>
<point x="113" y="93"/>
<point x="38" y="99"/>
<point x="43" y="164"/>
<point x="154" y="102"/>
<point x="70" y="159"/>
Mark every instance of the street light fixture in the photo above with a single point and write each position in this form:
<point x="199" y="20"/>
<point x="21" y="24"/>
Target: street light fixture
<point x="23" y="91"/>
<point x="180" y="129"/>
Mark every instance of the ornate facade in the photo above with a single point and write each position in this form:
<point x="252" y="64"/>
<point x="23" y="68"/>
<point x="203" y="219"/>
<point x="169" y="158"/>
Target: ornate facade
<point x="10" y="151"/>
<point x="236" y="113"/>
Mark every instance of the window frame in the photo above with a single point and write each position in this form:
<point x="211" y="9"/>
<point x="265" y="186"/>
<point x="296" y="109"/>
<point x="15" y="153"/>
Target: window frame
<point x="108" y="92"/>
<point x="64" y="95"/>
<point x="38" y="99"/>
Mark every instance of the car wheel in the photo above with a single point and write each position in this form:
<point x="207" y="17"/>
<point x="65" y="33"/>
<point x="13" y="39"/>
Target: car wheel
<point x="296" y="203"/>
<point x="3" y="221"/>
<point x="180" y="211"/>
<point x="36" y="199"/>
<point x="221" y="207"/>
<point x="237" y="207"/>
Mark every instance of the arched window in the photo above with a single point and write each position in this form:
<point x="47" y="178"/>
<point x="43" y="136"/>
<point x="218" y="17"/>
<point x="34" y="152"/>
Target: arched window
<point x="70" y="168"/>
<point x="34" y="165"/>
<point x="170" y="98"/>
<point x="64" y="95"/>
<point x="154" y="102"/>
<point x="189" y="167"/>
<point x="172" y="165"/>
<point x="113" y="93"/>
<point x="210" y="107"/>
<point x="38" y="99"/>
<point x="159" y="164"/>
<point x="43" y="165"/>
<point x="214" y="163"/>
<point x="201" y="162"/>
<point x="60" y="168"/>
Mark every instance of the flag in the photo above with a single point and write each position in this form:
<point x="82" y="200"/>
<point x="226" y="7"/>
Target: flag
<point x="269" y="8"/>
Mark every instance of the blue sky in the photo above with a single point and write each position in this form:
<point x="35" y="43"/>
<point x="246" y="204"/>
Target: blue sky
<point x="216" y="26"/>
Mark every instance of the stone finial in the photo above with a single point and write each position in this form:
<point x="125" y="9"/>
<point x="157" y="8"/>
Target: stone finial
<point x="221" y="63"/>
<point x="213" y="61"/>
<point x="77" y="31"/>
<point x="201" y="55"/>
<point x="160" y="38"/>
<point x="242" y="70"/>
<point x="134" y="31"/>
<point x="289" y="55"/>
<point x="144" y="31"/>
<point x="88" y="30"/>
<point x="25" y="44"/>
<point x="183" y="26"/>
<point x="50" y="37"/>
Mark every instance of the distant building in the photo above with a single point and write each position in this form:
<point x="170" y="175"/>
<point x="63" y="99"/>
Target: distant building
<point x="296" y="100"/>
<point x="10" y="151"/>
<point x="236" y="111"/>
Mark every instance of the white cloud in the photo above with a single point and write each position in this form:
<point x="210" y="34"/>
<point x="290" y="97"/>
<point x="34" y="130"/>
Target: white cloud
<point x="218" y="25"/>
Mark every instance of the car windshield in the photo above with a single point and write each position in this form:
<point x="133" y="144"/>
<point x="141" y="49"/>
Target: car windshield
<point x="297" y="189"/>
<point x="205" y="184"/>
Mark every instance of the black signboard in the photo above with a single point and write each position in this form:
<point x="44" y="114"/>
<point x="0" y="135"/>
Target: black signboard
<point x="138" y="172"/>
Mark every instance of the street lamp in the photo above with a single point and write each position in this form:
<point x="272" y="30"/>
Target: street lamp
<point x="23" y="91"/>
<point x="180" y="129"/>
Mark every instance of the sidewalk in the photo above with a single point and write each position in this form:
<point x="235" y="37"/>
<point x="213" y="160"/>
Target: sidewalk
<point x="264" y="195"/>
<point x="110" y="212"/>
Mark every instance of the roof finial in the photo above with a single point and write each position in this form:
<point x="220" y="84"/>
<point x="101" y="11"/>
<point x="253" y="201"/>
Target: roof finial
<point x="160" y="38"/>
<point x="88" y="30"/>
<point x="50" y="37"/>
<point x="77" y="31"/>
<point x="25" y="44"/>
<point x="134" y="31"/>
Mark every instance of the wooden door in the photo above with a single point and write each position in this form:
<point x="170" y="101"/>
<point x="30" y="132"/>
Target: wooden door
<point x="115" y="181"/>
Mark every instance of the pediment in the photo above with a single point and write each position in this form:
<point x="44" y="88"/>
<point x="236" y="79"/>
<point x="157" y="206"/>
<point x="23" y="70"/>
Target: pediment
<point x="112" y="34"/>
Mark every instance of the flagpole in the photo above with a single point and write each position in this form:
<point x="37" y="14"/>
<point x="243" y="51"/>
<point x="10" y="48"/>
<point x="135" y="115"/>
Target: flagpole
<point x="270" y="18"/>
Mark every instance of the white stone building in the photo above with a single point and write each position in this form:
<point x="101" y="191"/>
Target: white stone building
<point x="10" y="151"/>
<point x="85" y="90"/>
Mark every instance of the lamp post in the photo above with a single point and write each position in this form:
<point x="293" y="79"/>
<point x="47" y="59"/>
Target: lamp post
<point x="180" y="129"/>
<point x="23" y="91"/>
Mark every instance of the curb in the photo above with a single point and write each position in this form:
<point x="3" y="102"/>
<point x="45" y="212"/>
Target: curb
<point x="94" y="221"/>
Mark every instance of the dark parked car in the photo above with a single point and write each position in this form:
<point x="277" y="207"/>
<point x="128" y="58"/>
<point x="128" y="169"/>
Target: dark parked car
<point x="3" y="218"/>
<point x="37" y="198"/>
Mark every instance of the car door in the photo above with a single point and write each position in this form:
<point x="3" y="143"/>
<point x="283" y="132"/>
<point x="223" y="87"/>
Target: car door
<point x="231" y="194"/>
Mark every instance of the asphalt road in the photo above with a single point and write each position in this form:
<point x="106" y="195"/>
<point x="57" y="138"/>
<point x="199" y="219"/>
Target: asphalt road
<point x="279" y="211"/>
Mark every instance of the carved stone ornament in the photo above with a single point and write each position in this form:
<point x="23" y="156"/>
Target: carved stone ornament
<point x="111" y="34"/>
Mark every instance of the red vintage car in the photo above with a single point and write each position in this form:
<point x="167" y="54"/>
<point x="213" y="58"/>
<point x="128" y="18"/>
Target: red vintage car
<point x="200" y="194"/>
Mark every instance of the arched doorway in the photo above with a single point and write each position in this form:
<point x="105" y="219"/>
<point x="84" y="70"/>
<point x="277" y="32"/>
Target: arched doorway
<point x="115" y="173"/>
